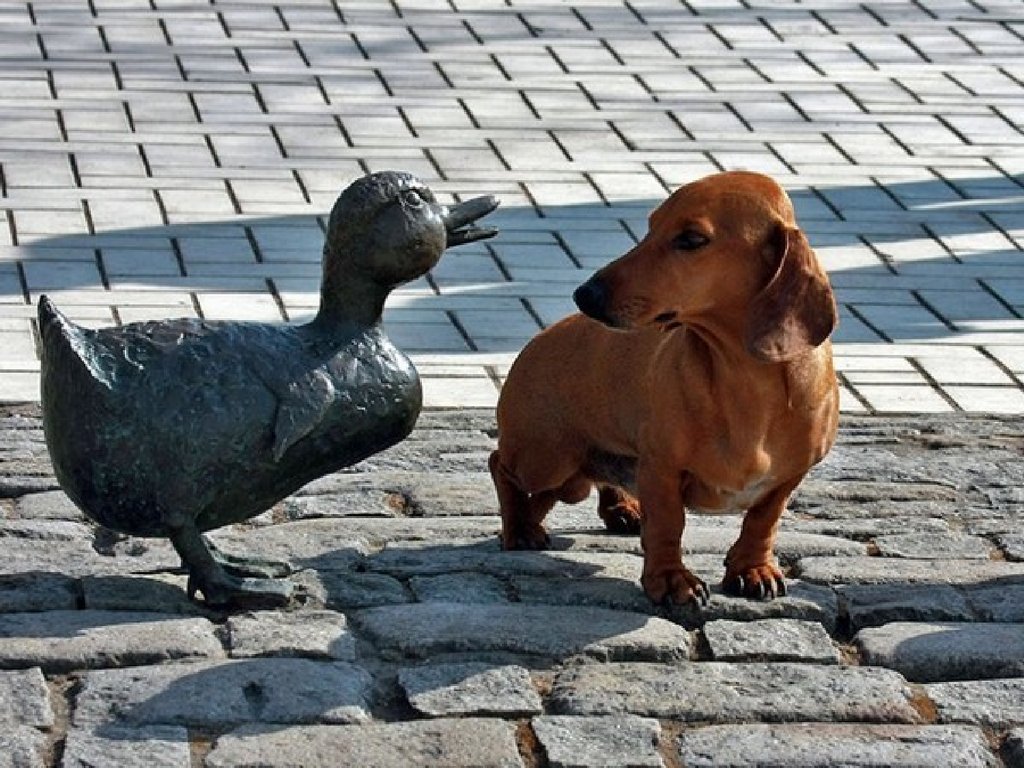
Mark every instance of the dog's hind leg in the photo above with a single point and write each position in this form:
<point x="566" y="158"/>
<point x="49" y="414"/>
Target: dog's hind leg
<point x="619" y="510"/>
<point x="522" y="513"/>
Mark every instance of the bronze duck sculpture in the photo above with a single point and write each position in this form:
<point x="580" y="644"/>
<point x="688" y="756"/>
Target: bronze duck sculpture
<point x="172" y="428"/>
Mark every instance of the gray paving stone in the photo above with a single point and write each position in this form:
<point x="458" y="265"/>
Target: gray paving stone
<point x="22" y="747"/>
<point x="808" y="602"/>
<point x="722" y="692"/>
<point x="770" y="640"/>
<point x="157" y="592"/>
<point x="826" y="745"/>
<point x="945" y="546"/>
<point x="474" y="689"/>
<point x="51" y="505"/>
<point x="997" y="602"/>
<point x="37" y="592"/>
<point x="223" y="694"/>
<point x="454" y="743"/>
<point x="80" y="557"/>
<point x="1014" y="748"/>
<point x="931" y="652"/>
<point x="993" y="703"/>
<point x="303" y="543"/>
<point x="154" y="746"/>
<point x="429" y="629"/>
<point x="344" y="590"/>
<point x="459" y="588"/>
<point x="1012" y="545"/>
<point x="25" y="699"/>
<point x="63" y="641"/>
<point x="609" y="741"/>
<point x="314" y="634"/>
<point x="886" y="570"/>
<point x="871" y="605"/>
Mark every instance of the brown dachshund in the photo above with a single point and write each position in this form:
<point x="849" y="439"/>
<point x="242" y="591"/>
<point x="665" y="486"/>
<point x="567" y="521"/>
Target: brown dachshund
<point x="699" y="375"/>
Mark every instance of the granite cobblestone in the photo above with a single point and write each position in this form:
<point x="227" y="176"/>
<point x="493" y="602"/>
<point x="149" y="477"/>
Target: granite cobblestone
<point x="410" y="610"/>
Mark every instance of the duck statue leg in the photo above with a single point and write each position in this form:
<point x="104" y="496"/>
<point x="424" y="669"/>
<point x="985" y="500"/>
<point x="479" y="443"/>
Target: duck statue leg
<point x="219" y="587"/>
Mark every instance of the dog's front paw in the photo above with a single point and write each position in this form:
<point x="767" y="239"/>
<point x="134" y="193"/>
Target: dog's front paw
<point x="763" y="582"/>
<point x="674" y="585"/>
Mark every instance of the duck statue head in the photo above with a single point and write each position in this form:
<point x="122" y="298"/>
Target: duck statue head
<point x="173" y="428"/>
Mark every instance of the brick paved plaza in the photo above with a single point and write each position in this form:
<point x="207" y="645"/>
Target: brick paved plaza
<point x="177" y="157"/>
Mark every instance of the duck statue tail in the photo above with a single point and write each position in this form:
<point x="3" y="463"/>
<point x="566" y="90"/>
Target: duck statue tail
<point x="66" y="350"/>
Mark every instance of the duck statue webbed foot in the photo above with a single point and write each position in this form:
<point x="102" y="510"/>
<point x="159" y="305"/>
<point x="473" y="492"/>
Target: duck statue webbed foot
<point x="177" y="427"/>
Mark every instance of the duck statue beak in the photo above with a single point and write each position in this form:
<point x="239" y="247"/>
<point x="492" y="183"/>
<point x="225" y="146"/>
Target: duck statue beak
<point x="458" y="220"/>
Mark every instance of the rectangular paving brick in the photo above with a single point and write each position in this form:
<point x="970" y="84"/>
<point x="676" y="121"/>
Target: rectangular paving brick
<point x="580" y="118"/>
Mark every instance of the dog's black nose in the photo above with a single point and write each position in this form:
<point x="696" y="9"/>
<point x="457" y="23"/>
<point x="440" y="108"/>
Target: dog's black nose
<point x="592" y="299"/>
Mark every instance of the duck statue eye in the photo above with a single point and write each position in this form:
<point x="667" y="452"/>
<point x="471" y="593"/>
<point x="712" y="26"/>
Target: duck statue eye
<point x="412" y="198"/>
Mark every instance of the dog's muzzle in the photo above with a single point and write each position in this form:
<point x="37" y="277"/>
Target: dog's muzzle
<point x="592" y="299"/>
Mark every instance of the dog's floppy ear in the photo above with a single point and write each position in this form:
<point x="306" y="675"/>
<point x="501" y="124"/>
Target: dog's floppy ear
<point x="795" y="311"/>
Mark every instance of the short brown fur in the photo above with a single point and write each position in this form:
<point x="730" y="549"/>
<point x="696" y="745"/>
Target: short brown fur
<point x="707" y="384"/>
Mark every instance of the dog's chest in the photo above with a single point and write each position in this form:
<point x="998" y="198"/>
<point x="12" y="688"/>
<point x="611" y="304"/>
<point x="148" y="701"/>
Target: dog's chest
<point x="711" y="499"/>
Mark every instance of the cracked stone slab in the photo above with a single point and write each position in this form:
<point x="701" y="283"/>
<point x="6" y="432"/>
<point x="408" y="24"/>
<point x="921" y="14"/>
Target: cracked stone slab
<point x="63" y="641"/>
<point x="314" y="634"/>
<point x="938" y="546"/>
<point x="871" y="605"/>
<point x="935" y="652"/>
<point x="155" y="746"/>
<point x="22" y="747"/>
<point x="770" y="640"/>
<point x="478" y="689"/>
<point x="607" y="741"/>
<point x="821" y="745"/>
<point x="890" y="570"/>
<point x="446" y="743"/>
<point x="24" y="698"/>
<point x="725" y="692"/>
<point x="225" y="694"/>
<point x="995" y="703"/>
<point x="426" y="629"/>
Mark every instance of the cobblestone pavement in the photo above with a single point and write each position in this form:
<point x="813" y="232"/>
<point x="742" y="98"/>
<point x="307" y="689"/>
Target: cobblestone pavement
<point x="414" y="641"/>
<point x="170" y="157"/>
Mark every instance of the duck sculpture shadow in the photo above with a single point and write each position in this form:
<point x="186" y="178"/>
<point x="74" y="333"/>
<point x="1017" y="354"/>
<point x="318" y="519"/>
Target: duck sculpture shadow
<point x="176" y="427"/>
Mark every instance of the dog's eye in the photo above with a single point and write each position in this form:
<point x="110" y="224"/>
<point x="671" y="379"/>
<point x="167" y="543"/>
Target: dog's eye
<point x="690" y="240"/>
